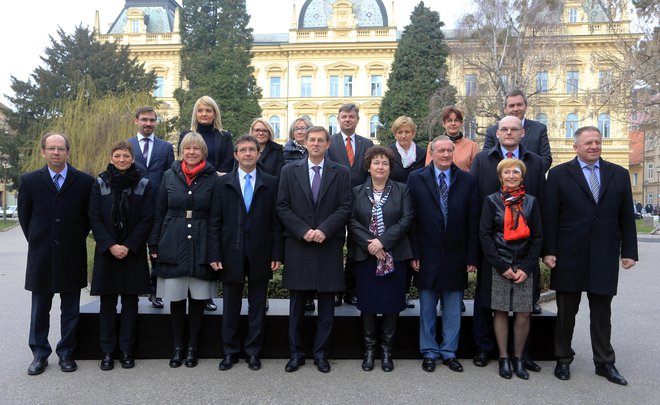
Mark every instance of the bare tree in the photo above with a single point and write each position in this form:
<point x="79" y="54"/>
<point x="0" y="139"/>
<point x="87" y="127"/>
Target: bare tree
<point x="503" y="45"/>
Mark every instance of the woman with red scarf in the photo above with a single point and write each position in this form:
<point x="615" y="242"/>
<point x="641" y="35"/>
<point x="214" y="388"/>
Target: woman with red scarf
<point x="183" y="242"/>
<point x="510" y="234"/>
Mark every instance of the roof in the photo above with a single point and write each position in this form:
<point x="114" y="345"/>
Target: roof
<point x="368" y="13"/>
<point x="158" y="15"/>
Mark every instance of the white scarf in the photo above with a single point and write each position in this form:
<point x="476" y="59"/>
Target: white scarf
<point x="407" y="158"/>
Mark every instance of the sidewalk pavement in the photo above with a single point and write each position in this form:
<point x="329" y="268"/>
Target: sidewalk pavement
<point x="635" y="326"/>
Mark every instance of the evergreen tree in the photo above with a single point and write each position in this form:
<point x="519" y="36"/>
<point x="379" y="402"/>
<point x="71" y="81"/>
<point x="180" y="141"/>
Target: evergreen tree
<point x="417" y="85"/>
<point x="69" y="61"/>
<point x="215" y="60"/>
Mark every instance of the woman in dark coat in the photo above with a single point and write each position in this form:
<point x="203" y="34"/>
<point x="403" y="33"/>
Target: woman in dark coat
<point x="378" y="229"/>
<point x="121" y="213"/>
<point x="294" y="149"/>
<point x="271" y="158"/>
<point x="408" y="157"/>
<point x="510" y="235"/>
<point x="207" y="122"/>
<point x="184" y="242"/>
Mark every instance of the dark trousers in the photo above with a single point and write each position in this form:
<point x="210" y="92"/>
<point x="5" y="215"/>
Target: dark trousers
<point x="40" y="323"/>
<point x="108" y="322"/>
<point x="536" y="285"/>
<point x="600" y="312"/>
<point x="482" y="323"/>
<point x="231" y="314"/>
<point x="349" y="278"/>
<point x="326" y="314"/>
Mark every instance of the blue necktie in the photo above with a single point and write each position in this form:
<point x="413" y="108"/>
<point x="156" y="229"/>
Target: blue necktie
<point x="316" y="183"/>
<point x="56" y="181"/>
<point x="444" y="193"/>
<point x="247" y="192"/>
<point x="594" y="185"/>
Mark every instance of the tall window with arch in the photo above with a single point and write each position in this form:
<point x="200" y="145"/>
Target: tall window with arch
<point x="159" y="91"/>
<point x="604" y="124"/>
<point x="374" y="124"/>
<point x="274" y="122"/>
<point x="333" y="124"/>
<point x="571" y="124"/>
<point x="542" y="118"/>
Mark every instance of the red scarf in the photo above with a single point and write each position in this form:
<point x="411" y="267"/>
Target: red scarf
<point x="515" y="226"/>
<point x="192" y="173"/>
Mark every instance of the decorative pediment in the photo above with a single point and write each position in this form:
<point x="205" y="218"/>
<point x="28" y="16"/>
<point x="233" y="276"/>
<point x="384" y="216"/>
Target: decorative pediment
<point x="275" y="69"/>
<point x="341" y="68"/>
<point x="377" y="68"/>
<point x="274" y="105"/>
<point x="305" y="69"/>
<point x="572" y="102"/>
<point x="305" y="105"/>
<point x="335" y="104"/>
<point x="371" y="105"/>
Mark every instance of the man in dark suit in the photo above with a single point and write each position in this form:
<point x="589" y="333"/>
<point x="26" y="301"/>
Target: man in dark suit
<point x="536" y="133"/>
<point x="484" y="168"/>
<point x="250" y="246"/>
<point x="348" y="148"/>
<point x="444" y="242"/>
<point x="313" y="204"/>
<point x="153" y="157"/>
<point x="587" y="226"/>
<point x="52" y="210"/>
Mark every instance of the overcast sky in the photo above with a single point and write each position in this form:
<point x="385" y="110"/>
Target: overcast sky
<point x="26" y="25"/>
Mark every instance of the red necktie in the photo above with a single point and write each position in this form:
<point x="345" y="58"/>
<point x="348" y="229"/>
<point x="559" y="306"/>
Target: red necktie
<point x="349" y="151"/>
<point x="509" y="155"/>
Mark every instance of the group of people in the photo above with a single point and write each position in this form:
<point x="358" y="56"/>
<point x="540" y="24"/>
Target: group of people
<point x="237" y="211"/>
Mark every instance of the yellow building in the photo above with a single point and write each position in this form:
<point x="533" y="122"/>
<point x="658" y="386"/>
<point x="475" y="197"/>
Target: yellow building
<point x="150" y="28"/>
<point x="339" y="51"/>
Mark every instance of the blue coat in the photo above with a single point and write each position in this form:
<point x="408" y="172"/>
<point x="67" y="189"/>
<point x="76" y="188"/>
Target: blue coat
<point x="444" y="249"/>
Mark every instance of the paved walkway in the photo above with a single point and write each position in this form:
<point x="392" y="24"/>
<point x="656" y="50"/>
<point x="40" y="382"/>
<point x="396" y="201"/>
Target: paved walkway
<point x="636" y="325"/>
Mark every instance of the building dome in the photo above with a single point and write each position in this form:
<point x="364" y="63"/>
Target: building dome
<point x="367" y="13"/>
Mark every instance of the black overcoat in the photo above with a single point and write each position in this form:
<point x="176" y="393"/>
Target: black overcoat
<point x="443" y="249"/>
<point x="397" y="217"/>
<point x="400" y="173"/>
<point x="129" y="275"/>
<point x="311" y="265"/>
<point x="535" y="140"/>
<point x="56" y="225"/>
<point x="337" y="153"/>
<point x="588" y="238"/>
<point x="271" y="159"/>
<point x="185" y="232"/>
<point x="257" y="234"/>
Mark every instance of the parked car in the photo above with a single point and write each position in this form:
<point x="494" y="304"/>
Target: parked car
<point x="11" y="211"/>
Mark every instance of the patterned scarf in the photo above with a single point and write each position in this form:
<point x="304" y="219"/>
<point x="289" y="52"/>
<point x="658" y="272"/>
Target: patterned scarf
<point x="121" y="186"/>
<point x="455" y="138"/>
<point x="515" y="226"/>
<point x="377" y="227"/>
<point x="299" y="147"/>
<point x="407" y="158"/>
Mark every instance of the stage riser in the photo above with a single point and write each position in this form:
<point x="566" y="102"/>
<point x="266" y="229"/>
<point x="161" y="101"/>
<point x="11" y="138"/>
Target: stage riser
<point x="154" y="333"/>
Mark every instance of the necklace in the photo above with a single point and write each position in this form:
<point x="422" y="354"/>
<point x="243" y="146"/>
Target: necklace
<point x="378" y="190"/>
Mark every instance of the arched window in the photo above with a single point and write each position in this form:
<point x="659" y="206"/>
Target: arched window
<point x="373" y="126"/>
<point x="274" y="122"/>
<point x="571" y="124"/>
<point x="542" y="118"/>
<point x="333" y="124"/>
<point x="604" y="124"/>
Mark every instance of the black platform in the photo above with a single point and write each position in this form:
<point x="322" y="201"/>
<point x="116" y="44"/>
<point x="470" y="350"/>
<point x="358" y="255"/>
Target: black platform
<point x="154" y="335"/>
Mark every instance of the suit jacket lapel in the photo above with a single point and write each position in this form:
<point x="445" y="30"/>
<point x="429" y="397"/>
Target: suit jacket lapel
<point x="605" y="176"/>
<point x="339" y="150"/>
<point x="327" y="176"/>
<point x="429" y="179"/>
<point x="302" y="175"/>
<point x="576" y="172"/>
<point x="138" y="151"/>
<point x="48" y="181"/>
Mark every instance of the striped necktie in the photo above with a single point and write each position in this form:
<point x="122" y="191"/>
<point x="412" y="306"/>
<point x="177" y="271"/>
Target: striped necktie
<point x="56" y="181"/>
<point x="594" y="185"/>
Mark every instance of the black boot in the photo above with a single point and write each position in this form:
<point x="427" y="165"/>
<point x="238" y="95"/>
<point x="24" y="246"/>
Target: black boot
<point x="389" y="327"/>
<point x="519" y="367"/>
<point x="369" y="336"/>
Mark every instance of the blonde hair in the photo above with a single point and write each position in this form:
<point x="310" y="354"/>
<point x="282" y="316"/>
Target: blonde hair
<point x="270" y="129"/>
<point x="403" y="121"/>
<point x="217" y="120"/>
<point x="194" y="137"/>
<point x="508" y="163"/>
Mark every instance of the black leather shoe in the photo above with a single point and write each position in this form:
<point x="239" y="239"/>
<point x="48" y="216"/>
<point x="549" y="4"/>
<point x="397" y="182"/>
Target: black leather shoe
<point x="310" y="306"/>
<point x="38" y="365"/>
<point x="210" y="306"/>
<point x="293" y="365"/>
<point x="322" y="365"/>
<point x="191" y="358"/>
<point x="481" y="359"/>
<point x="428" y="364"/>
<point x="519" y="367"/>
<point x="177" y="358"/>
<point x="387" y="364"/>
<point x="453" y="364"/>
<point x="157" y="303"/>
<point x="610" y="372"/>
<point x="409" y="303"/>
<point x="338" y="300"/>
<point x="505" y="368"/>
<point x="107" y="362"/>
<point x="228" y="361"/>
<point x="563" y="371"/>
<point x="253" y="362"/>
<point x="530" y="364"/>
<point x="536" y="309"/>
<point x="68" y="365"/>
<point x="126" y="360"/>
<point x="368" y="362"/>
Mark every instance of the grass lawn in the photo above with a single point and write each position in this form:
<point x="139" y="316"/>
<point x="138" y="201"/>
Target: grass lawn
<point x="6" y="224"/>
<point x="641" y="228"/>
